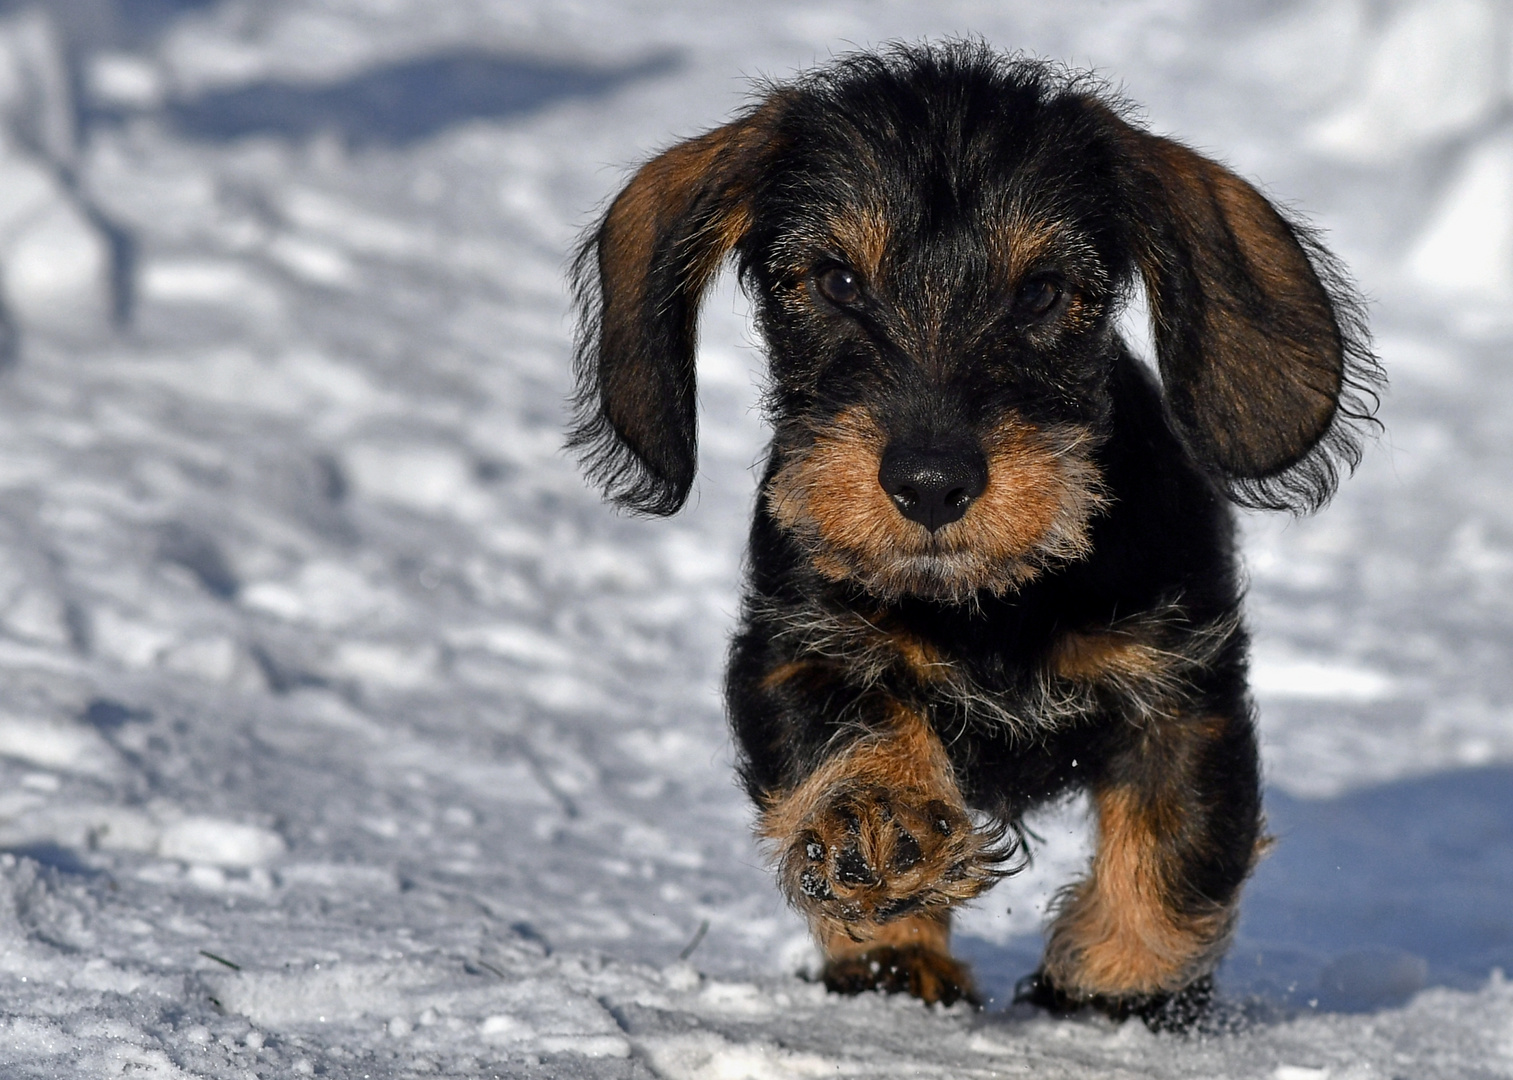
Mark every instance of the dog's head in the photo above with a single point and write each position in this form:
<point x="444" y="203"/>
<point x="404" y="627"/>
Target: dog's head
<point x="938" y="241"/>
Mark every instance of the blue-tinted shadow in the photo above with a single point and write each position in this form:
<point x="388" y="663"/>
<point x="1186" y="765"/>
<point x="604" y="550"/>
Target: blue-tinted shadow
<point x="89" y="24"/>
<point x="111" y="716"/>
<point x="1363" y="901"/>
<point x="55" y="856"/>
<point x="1370" y="896"/>
<point x="402" y="103"/>
<point x="997" y="968"/>
<point x="150" y="15"/>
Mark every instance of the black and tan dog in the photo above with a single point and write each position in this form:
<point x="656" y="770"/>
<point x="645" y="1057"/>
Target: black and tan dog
<point x="993" y="560"/>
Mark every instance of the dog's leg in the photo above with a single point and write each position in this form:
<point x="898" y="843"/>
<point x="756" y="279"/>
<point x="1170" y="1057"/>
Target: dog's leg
<point x="1178" y="831"/>
<point x="910" y="955"/>
<point x="874" y="847"/>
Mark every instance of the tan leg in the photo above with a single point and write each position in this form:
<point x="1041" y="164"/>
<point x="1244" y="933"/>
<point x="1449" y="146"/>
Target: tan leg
<point x="1121" y="933"/>
<point x="911" y="955"/>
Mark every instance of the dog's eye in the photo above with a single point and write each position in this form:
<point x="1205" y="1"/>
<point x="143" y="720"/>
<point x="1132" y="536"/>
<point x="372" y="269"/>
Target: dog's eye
<point x="840" y="285"/>
<point x="1036" y="297"/>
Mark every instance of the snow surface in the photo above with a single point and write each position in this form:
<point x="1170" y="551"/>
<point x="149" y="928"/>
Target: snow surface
<point x="343" y="732"/>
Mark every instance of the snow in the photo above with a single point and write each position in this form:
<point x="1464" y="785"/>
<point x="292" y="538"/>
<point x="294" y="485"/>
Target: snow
<point x="343" y="732"/>
<point x="1468" y="243"/>
<point x="1437" y="70"/>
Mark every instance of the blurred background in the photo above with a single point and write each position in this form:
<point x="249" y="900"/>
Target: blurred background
<point x="344" y="732"/>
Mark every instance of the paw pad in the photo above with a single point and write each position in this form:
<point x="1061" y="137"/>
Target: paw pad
<point x="867" y="857"/>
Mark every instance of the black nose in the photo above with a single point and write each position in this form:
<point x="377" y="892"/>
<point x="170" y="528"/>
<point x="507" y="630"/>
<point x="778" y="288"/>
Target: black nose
<point x="933" y="487"/>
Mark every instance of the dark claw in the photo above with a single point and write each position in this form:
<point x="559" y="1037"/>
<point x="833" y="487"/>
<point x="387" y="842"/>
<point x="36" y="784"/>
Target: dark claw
<point x="894" y="908"/>
<point x="852" y="819"/>
<point x="813" y="884"/>
<point x="940" y="817"/>
<point x="906" y="853"/>
<point x="852" y="869"/>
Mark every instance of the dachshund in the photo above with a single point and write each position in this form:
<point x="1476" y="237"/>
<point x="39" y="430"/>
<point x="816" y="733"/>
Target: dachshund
<point x="993" y="559"/>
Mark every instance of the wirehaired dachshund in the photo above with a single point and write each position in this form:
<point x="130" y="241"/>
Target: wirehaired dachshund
<point x="993" y="558"/>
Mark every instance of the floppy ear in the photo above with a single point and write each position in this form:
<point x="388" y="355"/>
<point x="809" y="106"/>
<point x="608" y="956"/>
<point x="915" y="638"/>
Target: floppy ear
<point x="1261" y="342"/>
<point x="640" y="276"/>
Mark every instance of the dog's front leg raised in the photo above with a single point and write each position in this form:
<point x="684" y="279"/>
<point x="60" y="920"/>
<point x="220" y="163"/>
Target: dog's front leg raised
<point x="875" y="847"/>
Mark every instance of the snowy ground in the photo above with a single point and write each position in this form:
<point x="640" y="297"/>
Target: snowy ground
<point x="343" y="732"/>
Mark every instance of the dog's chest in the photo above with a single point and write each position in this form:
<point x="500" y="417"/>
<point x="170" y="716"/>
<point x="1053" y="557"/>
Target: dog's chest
<point x="1019" y="681"/>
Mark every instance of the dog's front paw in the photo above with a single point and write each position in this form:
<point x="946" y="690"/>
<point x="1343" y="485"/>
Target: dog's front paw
<point x="866" y="857"/>
<point x="1183" y="1010"/>
<point x="919" y="971"/>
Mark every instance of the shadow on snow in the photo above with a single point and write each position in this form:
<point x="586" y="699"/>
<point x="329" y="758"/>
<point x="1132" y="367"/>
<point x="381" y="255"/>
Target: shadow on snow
<point x="402" y="103"/>
<point x="1364" y="900"/>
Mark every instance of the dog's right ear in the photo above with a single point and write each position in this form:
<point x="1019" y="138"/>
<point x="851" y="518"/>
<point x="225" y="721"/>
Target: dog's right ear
<point x="639" y="277"/>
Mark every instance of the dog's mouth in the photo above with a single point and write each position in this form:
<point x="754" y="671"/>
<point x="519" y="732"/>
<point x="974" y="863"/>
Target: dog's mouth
<point x="1039" y="495"/>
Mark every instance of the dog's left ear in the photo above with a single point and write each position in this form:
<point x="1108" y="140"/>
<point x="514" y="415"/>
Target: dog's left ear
<point x="640" y="276"/>
<point x="1261" y="343"/>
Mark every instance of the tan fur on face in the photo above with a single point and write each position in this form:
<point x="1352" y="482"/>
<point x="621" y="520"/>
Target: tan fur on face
<point x="861" y="233"/>
<point x="1042" y="492"/>
<point x="1017" y="243"/>
<point x="1024" y="241"/>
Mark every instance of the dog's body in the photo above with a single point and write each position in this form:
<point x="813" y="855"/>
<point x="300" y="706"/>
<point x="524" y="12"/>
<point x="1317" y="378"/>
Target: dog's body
<point x="993" y="560"/>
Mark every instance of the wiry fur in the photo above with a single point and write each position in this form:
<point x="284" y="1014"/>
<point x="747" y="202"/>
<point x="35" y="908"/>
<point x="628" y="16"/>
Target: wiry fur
<point x="938" y="241"/>
<point x="1042" y="494"/>
<point x="1156" y="653"/>
<point x="1308" y="483"/>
